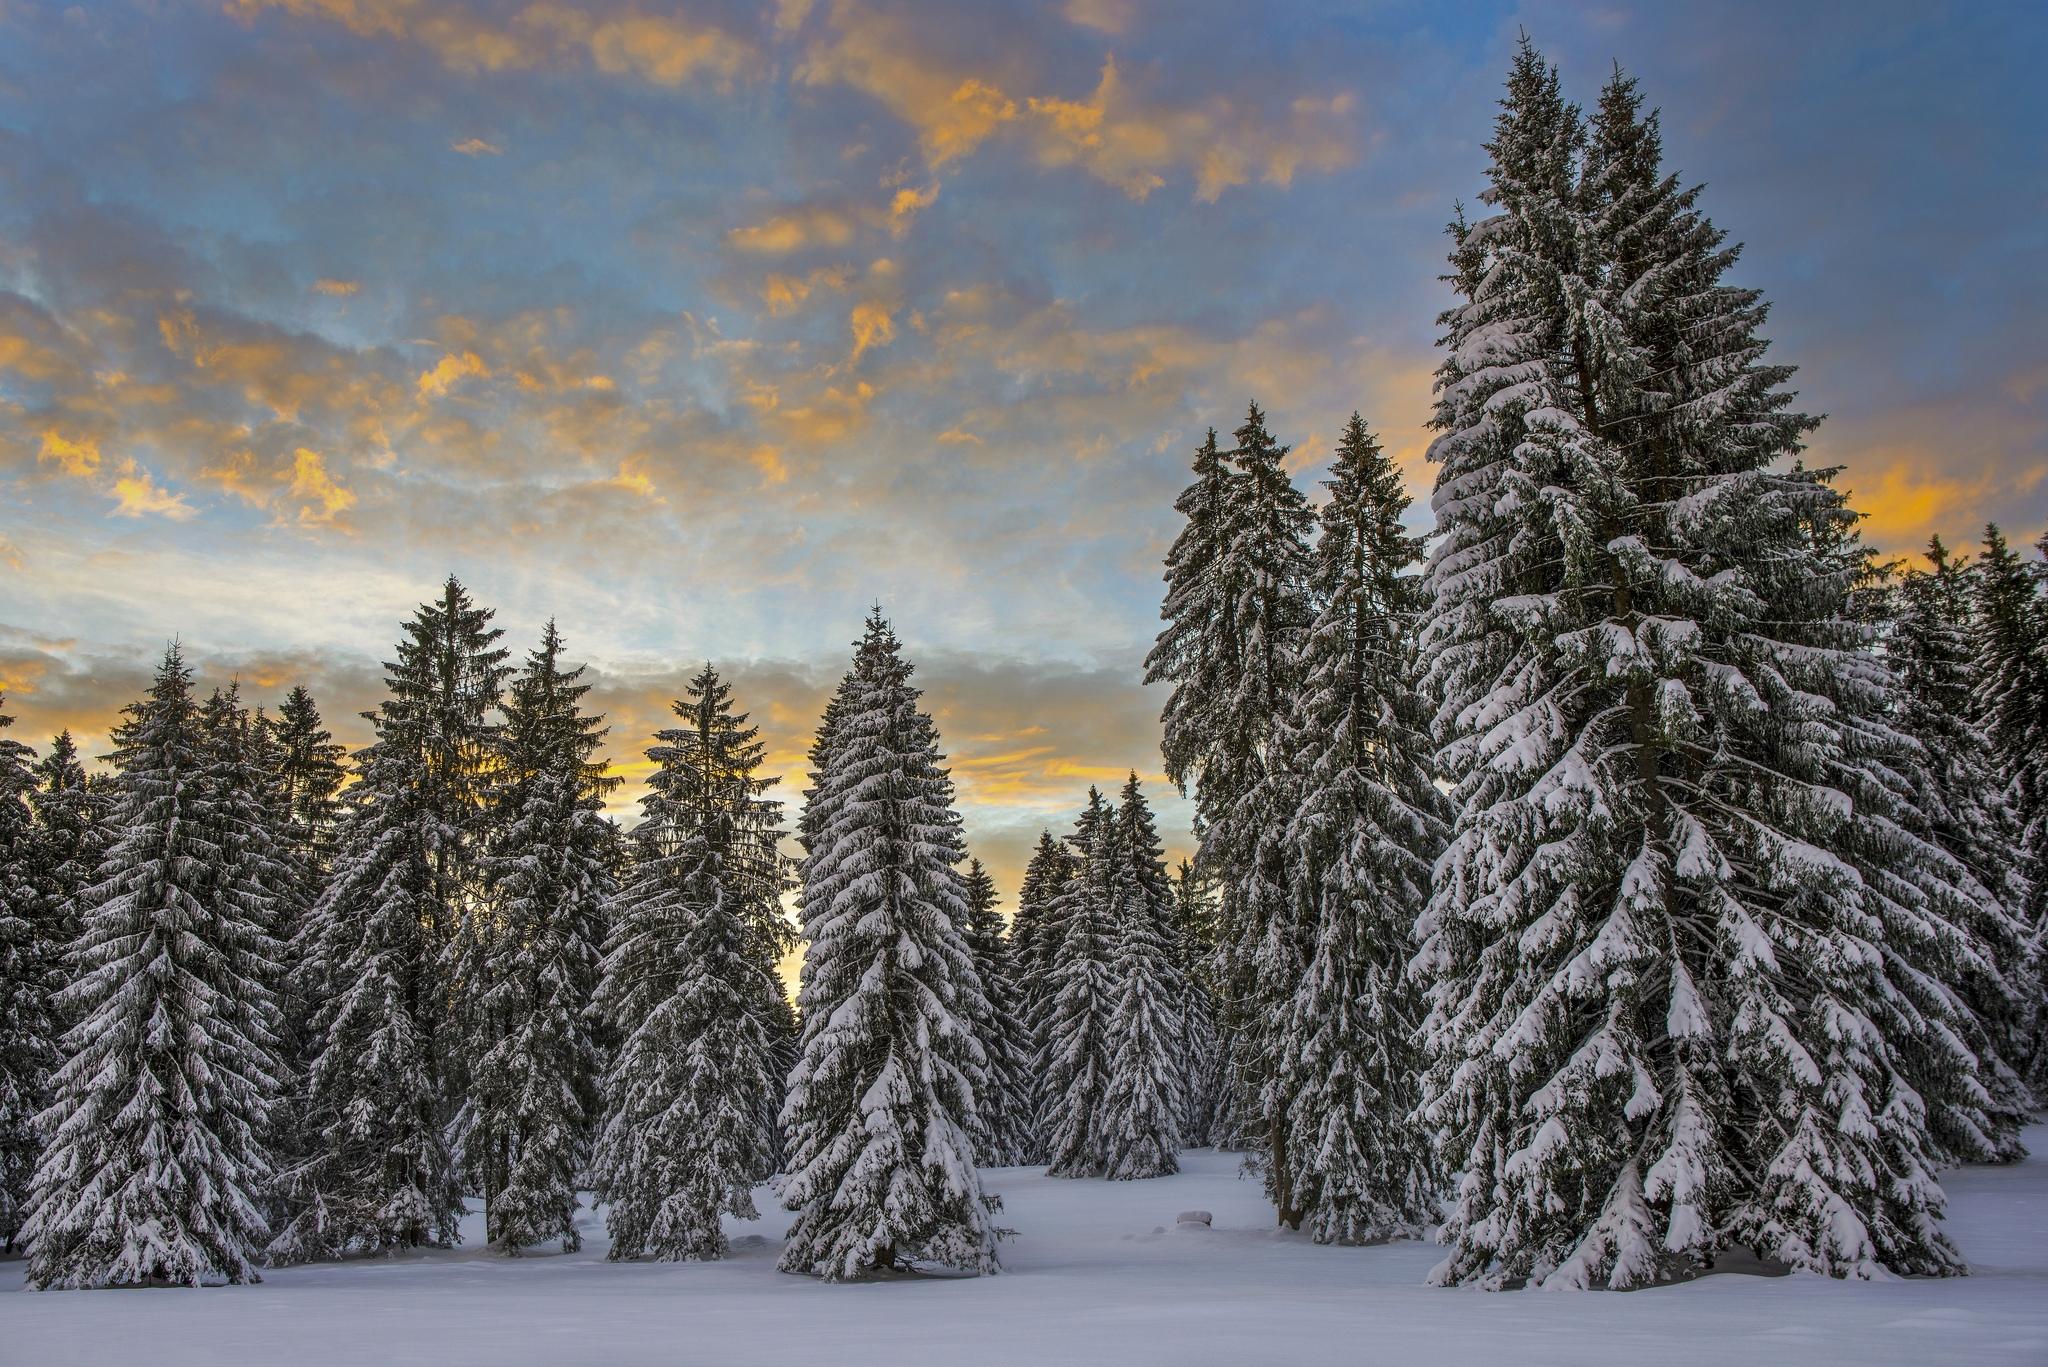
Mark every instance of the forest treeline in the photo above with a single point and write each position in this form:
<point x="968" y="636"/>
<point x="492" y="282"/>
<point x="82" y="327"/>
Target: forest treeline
<point x="1634" y="869"/>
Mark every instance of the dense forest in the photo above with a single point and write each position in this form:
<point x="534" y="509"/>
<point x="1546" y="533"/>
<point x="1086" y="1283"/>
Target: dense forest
<point x="1633" y="867"/>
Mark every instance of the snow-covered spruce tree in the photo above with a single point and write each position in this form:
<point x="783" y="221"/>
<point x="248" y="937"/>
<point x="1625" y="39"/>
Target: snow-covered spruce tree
<point x="1009" y="1100"/>
<point x="308" y="774"/>
<point x="882" y="1118"/>
<point x="1194" y="921"/>
<point x="1671" y="948"/>
<point x="526" y="961"/>
<point x="27" y="1027"/>
<point x="379" y="1176"/>
<point x="74" y="823"/>
<point x="689" y="987"/>
<point x="1370" y="824"/>
<point x="1145" y="1096"/>
<point x="1963" y="808"/>
<point x="1074" y="1058"/>
<point x="2011" y="648"/>
<point x="1032" y="942"/>
<point x="155" y="1159"/>
<point x="1235" y="609"/>
<point x="1197" y="652"/>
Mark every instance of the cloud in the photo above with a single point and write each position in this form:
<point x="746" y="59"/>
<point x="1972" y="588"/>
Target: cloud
<point x="322" y="498"/>
<point x="136" y="494"/>
<point x="879" y="55"/>
<point x="339" y="289"/>
<point x="784" y="294"/>
<point x="873" y="325"/>
<point x="476" y="147"/>
<point x="907" y="204"/>
<point x="799" y="230"/>
<point x="79" y="458"/>
<point x="1129" y="143"/>
<point x="445" y="373"/>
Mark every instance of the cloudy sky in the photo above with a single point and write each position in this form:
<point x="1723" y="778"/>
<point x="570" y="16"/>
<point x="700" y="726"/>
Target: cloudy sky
<point x="701" y="328"/>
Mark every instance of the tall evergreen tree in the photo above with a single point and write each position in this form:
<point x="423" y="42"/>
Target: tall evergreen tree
<point x="1033" y="946"/>
<point x="690" y="989"/>
<point x="883" y="1116"/>
<point x="309" y="777"/>
<point x="1197" y="652"/>
<point x="1074" y="1061"/>
<point x="74" y="822"/>
<point x="1145" y="1096"/>
<point x="1964" y="810"/>
<point x="1009" y="1101"/>
<point x="1236" y="610"/>
<point x="1370" y="824"/>
<point x="1202" y="1050"/>
<point x="27" y="1028"/>
<point x="527" y="961"/>
<point x="1678" y="946"/>
<point x="155" y="1159"/>
<point x="2010" y="640"/>
<point x="380" y="1176"/>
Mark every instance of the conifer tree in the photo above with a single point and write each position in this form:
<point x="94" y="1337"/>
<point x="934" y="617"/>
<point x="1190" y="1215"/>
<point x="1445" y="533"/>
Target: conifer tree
<point x="1682" y="947"/>
<point x="1964" y="810"/>
<point x="1032" y="941"/>
<point x="27" y="1027"/>
<point x="527" y="961"/>
<point x="883" y="1115"/>
<point x="309" y="775"/>
<point x="1009" y="1101"/>
<point x="378" y="1174"/>
<point x="1370" y="824"/>
<point x="1144" y="1098"/>
<point x="74" y="824"/>
<point x="155" y="1160"/>
<point x="1202" y="1051"/>
<point x="2010" y="638"/>
<point x="689" y="987"/>
<point x="1197" y="652"/>
<point x="1075" y="1055"/>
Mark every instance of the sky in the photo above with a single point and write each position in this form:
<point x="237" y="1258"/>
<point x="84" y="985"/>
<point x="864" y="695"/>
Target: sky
<point x="703" y="328"/>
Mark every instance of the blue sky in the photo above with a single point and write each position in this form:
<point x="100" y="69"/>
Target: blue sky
<point x="703" y="327"/>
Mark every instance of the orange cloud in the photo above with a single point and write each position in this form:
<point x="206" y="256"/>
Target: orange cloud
<point x="476" y="147"/>
<point x="878" y="55"/>
<point x="786" y="233"/>
<point x="322" y="498"/>
<point x="339" y="289"/>
<point x="79" y="458"/>
<point x="784" y="294"/>
<point x="873" y="324"/>
<point x="446" y="372"/>
<point x="907" y="204"/>
<point x="136" y="494"/>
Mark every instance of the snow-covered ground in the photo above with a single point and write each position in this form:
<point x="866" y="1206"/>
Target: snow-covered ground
<point x="1097" y="1273"/>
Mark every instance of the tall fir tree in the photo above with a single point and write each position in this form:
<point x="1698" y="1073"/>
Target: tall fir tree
<point x="1371" y="821"/>
<point x="1236" y="609"/>
<point x="156" y="1160"/>
<point x="75" y="825"/>
<point x="1202" y="1050"/>
<point x="1009" y="1101"/>
<point x="2011" y="642"/>
<point x="1679" y="948"/>
<point x="1033" y="946"/>
<point x="27" y="1026"/>
<point x="883" y="1113"/>
<point x="1144" y="1099"/>
<point x="1075" y="1055"/>
<point x="526" y="961"/>
<point x="689" y="987"/>
<point x="378" y="1174"/>
<point x="1964" y="809"/>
